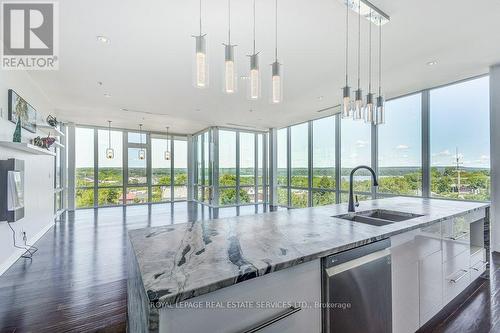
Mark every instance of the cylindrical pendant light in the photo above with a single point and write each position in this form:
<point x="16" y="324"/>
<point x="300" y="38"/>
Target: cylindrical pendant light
<point x="200" y="66"/>
<point x="357" y="112"/>
<point x="230" y="80"/>
<point x="167" y="152"/>
<point x="110" y="153"/>
<point x="253" y="90"/>
<point x="277" y="75"/>
<point x="380" y="111"/>
<point x="142" y="153"/>
<point x="369" y="106"/>
<point x="346" y="91"/>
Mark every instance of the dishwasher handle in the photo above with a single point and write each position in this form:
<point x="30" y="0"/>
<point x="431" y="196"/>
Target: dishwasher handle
<point x="358" y="262"/>
<point x="288" y="312"/>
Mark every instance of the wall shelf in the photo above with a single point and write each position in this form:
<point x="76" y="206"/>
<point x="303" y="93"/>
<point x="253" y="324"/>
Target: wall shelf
<point x="57" y="143"/>
<point x="27" y="148"/>
<point x="49" y="129"/>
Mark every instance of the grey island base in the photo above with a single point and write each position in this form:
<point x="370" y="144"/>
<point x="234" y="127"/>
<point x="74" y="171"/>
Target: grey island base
<point x="274" y="258"/>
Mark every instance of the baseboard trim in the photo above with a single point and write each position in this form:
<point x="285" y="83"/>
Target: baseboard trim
<point x="19" y="252"/>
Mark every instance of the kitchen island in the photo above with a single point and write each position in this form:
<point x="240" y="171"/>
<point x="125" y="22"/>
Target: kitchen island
<point x="202" y="274"/>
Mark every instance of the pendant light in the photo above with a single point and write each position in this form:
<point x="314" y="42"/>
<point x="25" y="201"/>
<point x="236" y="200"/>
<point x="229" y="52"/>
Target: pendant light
<point x="369" y="97"/>
<point x="346" y="91"/>
<point x="380" y="112"/>
<point x="110" y="153"/>
<point x="357" y="112"/>
<point x="167" y="152"/>
<point x="254" y="86"/>
<point x="142" y="152"/>
<point x="229" y="66"/>
<point x="276" y="83"/>
<point x="200" y="66"/>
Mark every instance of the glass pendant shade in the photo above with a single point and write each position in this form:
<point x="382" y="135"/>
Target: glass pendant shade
<point x="357" y="113"/>
<point x="254" y="77"/>
<point x="141" y="154"/>
<point x="380" y="112"/>
<point x="110" y="153"/>
<point x="167" y="156"/>
<point x="276" y="84"/>
<point x="229" y="70"/>
<point x="200" y="66"/>
<point x="346" y="102"/>
<point x="369" y="108"/>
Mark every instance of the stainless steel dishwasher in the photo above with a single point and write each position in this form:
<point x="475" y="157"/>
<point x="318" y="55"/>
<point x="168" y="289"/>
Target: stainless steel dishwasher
<point x="357" y="293"/>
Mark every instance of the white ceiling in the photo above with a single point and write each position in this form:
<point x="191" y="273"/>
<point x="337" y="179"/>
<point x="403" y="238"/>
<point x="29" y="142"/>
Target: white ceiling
<point x="147" y="65"/>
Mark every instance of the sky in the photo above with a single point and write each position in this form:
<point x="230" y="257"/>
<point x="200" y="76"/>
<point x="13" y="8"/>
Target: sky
<point x="459" y="120"/>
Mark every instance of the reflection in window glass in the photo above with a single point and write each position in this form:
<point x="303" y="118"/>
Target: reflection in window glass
<point x="355" y="150"/>
<point x="160" y="167"/>
<point x="400" y="147"/>
<point x="247" y="159"/>
<point x="299" y="159"/>
<point x="227" y="159"/>
<point x="110" y="170"/>
<point x="460" y="140"/>
<point x="282" y="157"/>
<point x="323" y="156"/>
<point x="137" y="173"/>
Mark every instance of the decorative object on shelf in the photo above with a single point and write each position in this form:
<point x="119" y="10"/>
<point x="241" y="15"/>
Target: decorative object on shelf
<point x="110" y="153"/>
<point x="45" y="142"/>
<point x="346" y="91"/>
<point x="357" y="112"/>
<point x="200" y="72"/>
<point x="230" y="82"/>
<point x="17" y="132"/>
<point x="142" y="153"/>
<point x="167" y="152"/>
<point x="21" y="110"/>
<point x="254" y="76"/>
<point x="52" y="121"/>
<point x="277" y="79"/>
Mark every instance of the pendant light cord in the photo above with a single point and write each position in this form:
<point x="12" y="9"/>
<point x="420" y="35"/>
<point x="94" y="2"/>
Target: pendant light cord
<point x="109" y="133"/>
<point x="347" y="43"/>
<point x="253" y="26"/>
<point x="200" y="17"/>
<point x="276" y="30"/>
<point x="229" y="22"/>
<point x="168" y="146"/>
<point x="359" y="44"/>
<point x="370" y="56"/>
<point x="380" y="58"/>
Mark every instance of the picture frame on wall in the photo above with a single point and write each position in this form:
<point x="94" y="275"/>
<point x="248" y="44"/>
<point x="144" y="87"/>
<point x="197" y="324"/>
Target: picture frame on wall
<point x="18" y="105"/>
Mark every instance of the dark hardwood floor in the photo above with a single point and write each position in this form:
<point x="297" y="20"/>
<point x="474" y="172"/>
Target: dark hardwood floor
<point x="77" y="279"/>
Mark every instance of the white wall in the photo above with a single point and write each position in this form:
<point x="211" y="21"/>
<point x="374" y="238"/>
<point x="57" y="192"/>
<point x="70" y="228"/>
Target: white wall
<point x="495" y="156"/>
<point x="39" y="169"/>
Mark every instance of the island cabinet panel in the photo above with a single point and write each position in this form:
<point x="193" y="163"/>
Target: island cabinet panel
<point x="287" y="301"/>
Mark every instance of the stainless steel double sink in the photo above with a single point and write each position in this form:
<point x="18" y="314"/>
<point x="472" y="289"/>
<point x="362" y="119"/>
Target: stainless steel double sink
<point x="378" y="217"/>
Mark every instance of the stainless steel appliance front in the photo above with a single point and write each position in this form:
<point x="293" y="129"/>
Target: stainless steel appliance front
<point x="357" y="290"/>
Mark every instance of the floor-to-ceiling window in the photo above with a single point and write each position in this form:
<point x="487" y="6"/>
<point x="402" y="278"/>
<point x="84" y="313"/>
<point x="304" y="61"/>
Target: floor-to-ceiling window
<point x="138" y="171"/>
<point x="110" y="170"/>
<point x="460" y="140"/>
<point x="400" y="147"/>
<point x="299" y="164"/>
<point x="84" y="167"/>
<point x="355" y="150"/>
<point x="323" y="161"/>
<point x="282" y="166"/>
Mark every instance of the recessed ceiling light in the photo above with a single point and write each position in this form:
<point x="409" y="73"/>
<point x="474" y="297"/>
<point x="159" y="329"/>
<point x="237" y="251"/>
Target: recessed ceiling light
<point x="319" y="98"/>
<point x="432" y="63"/>
<point x="124" y="109"/>
<point x="250" y="110"/>
<point x="107" y="95"/>
<point x="103" y="39"/>
<point x="99" y="83"/>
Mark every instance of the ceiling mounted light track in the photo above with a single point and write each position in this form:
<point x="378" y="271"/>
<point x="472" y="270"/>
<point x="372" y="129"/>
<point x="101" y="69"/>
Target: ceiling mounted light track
<point x="200" y="66"/>
<point x="368" y="10"/>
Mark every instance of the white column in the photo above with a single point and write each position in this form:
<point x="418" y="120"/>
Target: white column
<point x="70" y="132"/>
<point x="495" y="156"/>
<point x="191" y="167"/>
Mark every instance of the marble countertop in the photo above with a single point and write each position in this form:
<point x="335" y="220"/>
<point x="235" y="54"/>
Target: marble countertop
<point x="181" y="261"/>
